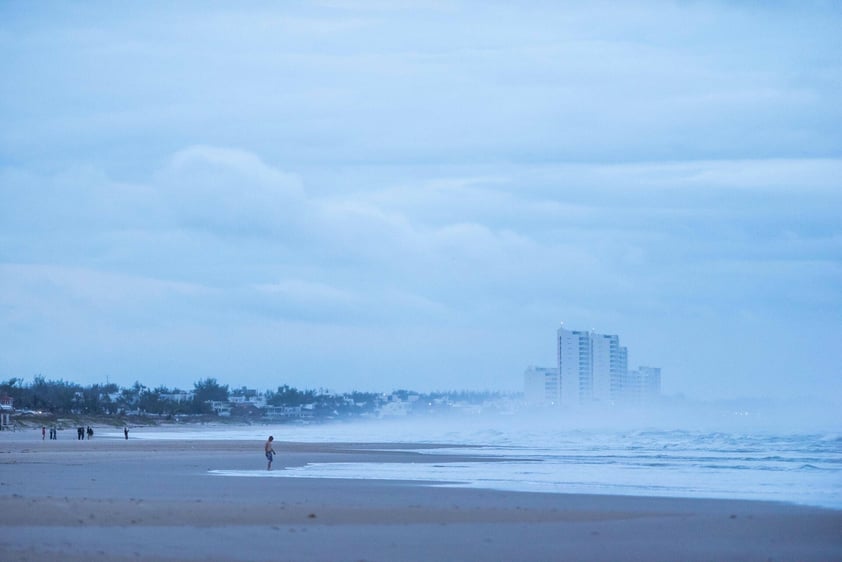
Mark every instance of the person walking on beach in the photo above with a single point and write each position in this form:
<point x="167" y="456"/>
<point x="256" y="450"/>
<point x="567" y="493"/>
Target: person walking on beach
<point x="126" y="432"/>
<point x="270" y="452"/>
<point x="43" y="432"/>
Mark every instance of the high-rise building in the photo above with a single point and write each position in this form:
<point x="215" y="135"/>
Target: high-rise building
<point x="608" y="366"/>
<point x="592" y="367"/>
<point x="574" y="366"/>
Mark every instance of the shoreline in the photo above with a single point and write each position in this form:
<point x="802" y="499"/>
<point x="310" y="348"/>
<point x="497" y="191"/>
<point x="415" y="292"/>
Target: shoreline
<point x="444" y="467"/>
<point x="155" y="499"/>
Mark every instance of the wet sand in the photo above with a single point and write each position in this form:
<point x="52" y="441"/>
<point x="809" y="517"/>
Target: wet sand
<point x="112" y="499"/>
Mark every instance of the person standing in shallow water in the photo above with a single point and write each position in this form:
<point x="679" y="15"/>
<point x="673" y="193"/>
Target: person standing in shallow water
<point x="270" y="452"/>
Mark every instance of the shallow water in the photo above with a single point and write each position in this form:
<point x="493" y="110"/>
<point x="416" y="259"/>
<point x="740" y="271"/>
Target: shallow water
<point x="803" y="468"/>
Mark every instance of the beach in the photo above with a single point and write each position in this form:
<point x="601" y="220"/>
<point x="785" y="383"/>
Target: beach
<point x="116" y="499"/>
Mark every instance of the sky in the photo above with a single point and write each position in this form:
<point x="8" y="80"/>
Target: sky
<point x="378" y="195"/>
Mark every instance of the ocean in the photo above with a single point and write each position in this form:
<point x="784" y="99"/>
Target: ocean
<point x="800" y="467"/>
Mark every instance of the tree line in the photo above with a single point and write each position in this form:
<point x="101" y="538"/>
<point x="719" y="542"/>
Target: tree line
<point x="60" y="397"/>
<point x="65" y="397"/>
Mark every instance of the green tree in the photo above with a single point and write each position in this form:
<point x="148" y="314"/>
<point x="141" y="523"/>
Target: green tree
<point x="15" y="389"/>
<point x="55" y="396"/>
<point x="205" y="391"/>
<point x="130" y="397"/>
<point x="290" y="396"/>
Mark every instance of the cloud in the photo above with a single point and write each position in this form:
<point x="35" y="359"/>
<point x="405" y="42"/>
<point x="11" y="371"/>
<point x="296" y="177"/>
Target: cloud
<point x="50" y="310"/>
<point x="441" y="236"/>
<point x="338" y="171"/>
<point x="221" y="241"/>
<point x="308" y="301"/>
<point x="230" y="189"/>
<point x="354" y="84"/>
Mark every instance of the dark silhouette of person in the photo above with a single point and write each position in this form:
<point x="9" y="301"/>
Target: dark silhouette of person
<point x="126" y="432"/>
<point x="270" y="452"/>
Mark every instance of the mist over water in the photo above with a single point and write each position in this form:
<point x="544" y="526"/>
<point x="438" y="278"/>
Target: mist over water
<point x="703" y="453"/>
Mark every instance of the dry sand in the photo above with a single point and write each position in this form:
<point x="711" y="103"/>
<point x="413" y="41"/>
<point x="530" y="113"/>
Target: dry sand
<point x="112" y="499"/>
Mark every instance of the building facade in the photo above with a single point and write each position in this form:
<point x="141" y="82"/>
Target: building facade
<point x="642" y="385"/>
<point x="608" y="367"/>
<point x="574" y="365"/>
<point x="593" y="367"/>
<point x="541" y="386"/>
<point x="7" y="408"/>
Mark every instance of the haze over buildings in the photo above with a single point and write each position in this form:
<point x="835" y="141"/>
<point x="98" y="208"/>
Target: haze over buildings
<point x="369" y="195"/>
<point x="592" y="369"/>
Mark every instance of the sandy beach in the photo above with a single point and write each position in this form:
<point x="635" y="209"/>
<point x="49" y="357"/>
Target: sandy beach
<point x="116" y="499"/>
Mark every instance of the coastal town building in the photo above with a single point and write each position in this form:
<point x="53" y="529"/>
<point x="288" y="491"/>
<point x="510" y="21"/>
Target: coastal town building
<point x="592" y="368"/>
<point x="541" y="386"/>
<point x="178" y="397"/>
<point x="642" y="385"/>
<point x="288" y="412"/>
<point x="609" y="363"/>
<point x="6" y="410"/>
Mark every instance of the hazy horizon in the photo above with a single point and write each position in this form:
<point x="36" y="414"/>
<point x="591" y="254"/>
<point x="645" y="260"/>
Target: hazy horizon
<point x="376" y="196"/>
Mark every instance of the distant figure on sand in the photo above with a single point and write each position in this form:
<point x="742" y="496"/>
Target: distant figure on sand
<point x="43" y="432"/>
<point x="126" y="432"/>
<point x="90" y="432"/>
<point x="270" y="452"/>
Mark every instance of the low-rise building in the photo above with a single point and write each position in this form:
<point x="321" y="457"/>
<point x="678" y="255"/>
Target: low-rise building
<point x="7" y="408"/>
<point x="642" y="385"/>
<point x="178" y="397"/>
<point x="275" y="412"/>
<point x="541" y="386"/>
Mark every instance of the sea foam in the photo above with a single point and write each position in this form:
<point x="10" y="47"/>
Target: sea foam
<point x="798" y="468"/>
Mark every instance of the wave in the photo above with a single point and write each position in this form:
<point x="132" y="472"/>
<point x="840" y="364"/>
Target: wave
<point x="800" y="468"/>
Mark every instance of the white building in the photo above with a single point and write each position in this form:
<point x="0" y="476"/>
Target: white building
<point x="541" y="386"/>
<point x="592" y="366"/>
<point x="574" y="365"/>
<point x="609" y="365"/>
<point x="284" y="411"/>
<point x="178" y="397"/>
<point x="6" y="410"/>
<point x="642" y="385"/>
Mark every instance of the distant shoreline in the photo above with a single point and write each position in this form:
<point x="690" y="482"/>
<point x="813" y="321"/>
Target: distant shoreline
<point x="64" y="421"/>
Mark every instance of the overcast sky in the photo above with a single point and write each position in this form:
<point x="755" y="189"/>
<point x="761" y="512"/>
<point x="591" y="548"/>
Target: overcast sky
<point x="377" y="195"/>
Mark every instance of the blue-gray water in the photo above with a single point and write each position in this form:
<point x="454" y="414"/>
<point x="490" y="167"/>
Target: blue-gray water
<point x="803" y="468"/>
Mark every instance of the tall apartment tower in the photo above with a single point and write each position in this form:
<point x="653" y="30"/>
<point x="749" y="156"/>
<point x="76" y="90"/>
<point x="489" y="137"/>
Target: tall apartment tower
<point x="574" y="360"/>
<point x="592" y="366"/>
<point x="610" y="363"/>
